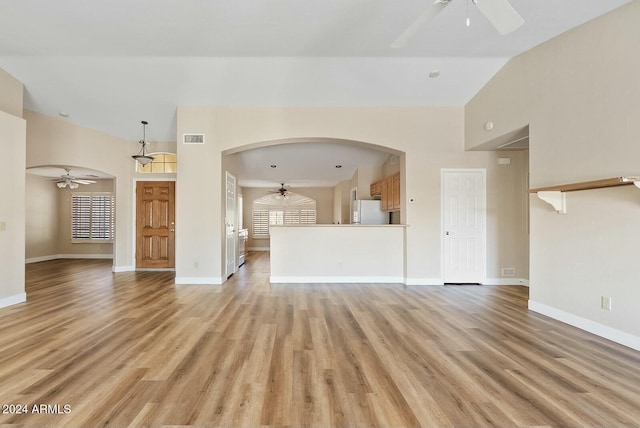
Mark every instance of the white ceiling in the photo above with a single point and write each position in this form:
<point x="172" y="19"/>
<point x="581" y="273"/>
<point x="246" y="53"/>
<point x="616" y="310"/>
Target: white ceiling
<point x="304" y="164"/>
<point x="110" y="65"/>
<point x="55" y="171"/>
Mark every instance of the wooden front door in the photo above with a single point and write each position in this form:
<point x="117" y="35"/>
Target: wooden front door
<point x="155" y="224"/>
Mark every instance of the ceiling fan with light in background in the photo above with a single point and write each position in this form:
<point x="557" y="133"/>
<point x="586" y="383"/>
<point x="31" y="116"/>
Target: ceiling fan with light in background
<point x="282" y="191"/>
<point x="499" y="13"/>
<point x="69" y="180"/>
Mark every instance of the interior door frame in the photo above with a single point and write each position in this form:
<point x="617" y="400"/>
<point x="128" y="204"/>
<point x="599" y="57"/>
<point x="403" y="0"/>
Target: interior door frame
<point x="443" y="171"/>
<point x="235" y="225"/>
<point x="134" y="217"/>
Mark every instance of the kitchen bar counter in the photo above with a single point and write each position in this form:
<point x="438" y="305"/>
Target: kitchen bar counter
<point x="326" y="253"/>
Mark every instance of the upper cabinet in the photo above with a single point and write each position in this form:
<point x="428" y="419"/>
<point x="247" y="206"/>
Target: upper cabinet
<point x="395" y="192"/>
<point x="389" y="190"/>
<point x="376" y="189"/>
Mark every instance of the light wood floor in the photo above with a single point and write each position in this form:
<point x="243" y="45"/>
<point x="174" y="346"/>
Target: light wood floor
<point x="134" y="349"/>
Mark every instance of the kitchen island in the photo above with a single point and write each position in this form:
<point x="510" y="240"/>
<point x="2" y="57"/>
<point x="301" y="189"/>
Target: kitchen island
<point x="328" y="253"/>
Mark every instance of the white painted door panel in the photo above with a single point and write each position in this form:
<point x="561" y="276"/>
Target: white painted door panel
<point x="464" y="226"/>
<point x="230" y="225"/>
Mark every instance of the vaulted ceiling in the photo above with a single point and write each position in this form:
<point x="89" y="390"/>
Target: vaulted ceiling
<point x="111" y="64"/>
<point x="108" y="65"/>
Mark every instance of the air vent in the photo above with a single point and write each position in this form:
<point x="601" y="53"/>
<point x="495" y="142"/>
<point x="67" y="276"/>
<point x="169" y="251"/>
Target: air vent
<point x="193" y="138"/>
<point x="509" y="271"/>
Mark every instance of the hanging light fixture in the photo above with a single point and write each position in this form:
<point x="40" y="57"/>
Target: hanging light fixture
<point x="142" y="157"/>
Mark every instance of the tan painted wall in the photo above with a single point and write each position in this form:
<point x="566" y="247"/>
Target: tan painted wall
<point x="41" y="217"/>
<point x="12" y="208"/>
<point x="390" y="166"/>
<point x="366" y="176"/>
<point x="11" y="94"/>
<point x="52" y="141"/>
<point x="48" y="219"/>
<point x="580" y="95"/>
<point x="431" y="137"/>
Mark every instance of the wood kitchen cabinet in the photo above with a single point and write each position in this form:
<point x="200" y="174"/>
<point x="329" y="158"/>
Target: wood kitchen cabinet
<point x="375" y="189"/>
<point x="389" y="190"/>
<point x="384" y="191"/>
<point x="395" y="192"/>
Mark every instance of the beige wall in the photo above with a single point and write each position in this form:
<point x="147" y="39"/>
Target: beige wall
<point x="48" y="220"/>
<point x="42" y="217"/>
<point x="390" y="166"/>
<point x="432" y="138"/>
<point x="324" y="208"/>
<point x="11" y="94"/>
<point x="341" y="204"/>
<point x="366" y="176"/>
<point x="580" y="95"/>
<point x="52" y="141"/>
<point x="12" y="209"/>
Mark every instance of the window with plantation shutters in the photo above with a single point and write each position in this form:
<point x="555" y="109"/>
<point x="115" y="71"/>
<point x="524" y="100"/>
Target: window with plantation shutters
<point x="92" y="217"/>
<point x="260" y="223"/>
<point x="274" y="209"/>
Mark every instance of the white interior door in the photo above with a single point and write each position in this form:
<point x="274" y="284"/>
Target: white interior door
<point x="230" y="225"/>
<point x="464" y="215"/>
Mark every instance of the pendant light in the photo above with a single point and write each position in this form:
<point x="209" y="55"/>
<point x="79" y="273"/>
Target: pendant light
<point x="142" y="157"/>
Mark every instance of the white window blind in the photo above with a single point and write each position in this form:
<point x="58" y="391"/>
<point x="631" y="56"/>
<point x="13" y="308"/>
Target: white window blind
<point x="92" y="217"/>
<point x="260" y="223"/>
<point x="295" y="210"/>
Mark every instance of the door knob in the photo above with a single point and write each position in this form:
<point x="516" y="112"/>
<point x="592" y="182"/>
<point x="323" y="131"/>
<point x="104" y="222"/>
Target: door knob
<point x="447" y="233"/>
<point x="172" y="230"/>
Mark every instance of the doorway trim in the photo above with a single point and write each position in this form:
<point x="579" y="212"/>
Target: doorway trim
<point x="133" y="219"/>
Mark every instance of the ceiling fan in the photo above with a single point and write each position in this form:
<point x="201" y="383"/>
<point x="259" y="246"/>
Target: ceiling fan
<point x="69" y="180"/>
<point x="499" y="12"/>
<point x="282" y="191"/>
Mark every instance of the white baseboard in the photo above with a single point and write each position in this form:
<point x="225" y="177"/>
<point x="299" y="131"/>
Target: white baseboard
<point x="67" y="256"/>
<point x="506" y="281"/>
<point x="116" y="269"/>
<point x="198" y="280"/>
<point x="85" y="256"/>
<point x="13" y="300"/>
<point x="424" y="281"/>
<point x="336" y="279"/>
<point x="488" y="281"/>
<point x="598" y="329"/>
<point x="259" y="249"/>
<point x="41" y="259"/>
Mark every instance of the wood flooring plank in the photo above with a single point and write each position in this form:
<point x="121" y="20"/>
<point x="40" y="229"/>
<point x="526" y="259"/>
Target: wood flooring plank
<point x="134" y="349"/>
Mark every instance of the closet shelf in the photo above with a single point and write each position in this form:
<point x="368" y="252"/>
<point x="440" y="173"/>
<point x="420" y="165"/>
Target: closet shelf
<point x="586" y="185"/>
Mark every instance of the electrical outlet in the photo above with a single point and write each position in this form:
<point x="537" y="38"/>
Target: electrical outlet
<point x="3" y="226"/>
<point x="605" y="303"/>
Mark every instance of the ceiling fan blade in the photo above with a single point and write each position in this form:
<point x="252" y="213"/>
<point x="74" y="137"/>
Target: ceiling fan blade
<point x="84" y="181"/>
<point x="437" y="7"/>
<point x="501" y="14"/>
